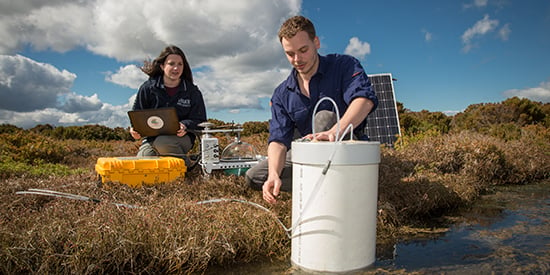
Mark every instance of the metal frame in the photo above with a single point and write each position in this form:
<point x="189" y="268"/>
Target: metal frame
<point x="210" y="150"/>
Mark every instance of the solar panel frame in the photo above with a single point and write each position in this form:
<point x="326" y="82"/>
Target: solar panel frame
<point x="383" y="123"/>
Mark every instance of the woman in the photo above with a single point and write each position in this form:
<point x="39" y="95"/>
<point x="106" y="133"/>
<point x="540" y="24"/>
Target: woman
<point x="170" y="84"/>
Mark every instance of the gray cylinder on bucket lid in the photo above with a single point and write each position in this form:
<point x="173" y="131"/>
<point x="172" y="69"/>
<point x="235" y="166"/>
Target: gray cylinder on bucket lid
<point x="334" y="214"/>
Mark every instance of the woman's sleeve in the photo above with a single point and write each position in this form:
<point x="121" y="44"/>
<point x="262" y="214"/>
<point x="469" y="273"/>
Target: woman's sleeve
<point x="198" y="111"/>
<point x="141" y="99"/>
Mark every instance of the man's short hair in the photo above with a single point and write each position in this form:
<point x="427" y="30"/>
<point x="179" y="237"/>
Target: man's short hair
<point x="294" y="25"/>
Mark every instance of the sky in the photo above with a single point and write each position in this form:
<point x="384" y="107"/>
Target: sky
<point x="66" y="62"/>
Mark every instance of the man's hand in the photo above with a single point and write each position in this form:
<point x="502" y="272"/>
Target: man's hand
<point x="276" y="155"/>
<point x="322" y="136"/>
<point x="357" y="111"/>
<point x="271" y="189"/>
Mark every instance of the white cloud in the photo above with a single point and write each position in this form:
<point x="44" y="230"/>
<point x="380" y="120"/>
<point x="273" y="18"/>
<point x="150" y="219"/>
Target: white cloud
<point x="133" y="30"/>
<point x="108" y="115"/>
<point x="477" y="4"/>
<point x="74" y="103"/>
<point x="27" y="85"/>
<point x="30" y="119"/>
<point x="230" y="89"/>
<point x="231" y="46"/>
<point x="56" y="27"/>
<point x="130" y="30"/>
<point x="357" y="48"/>
<point x="21" y="7"/>
<point x="33" y="93"/>
<point x="480" y="3"/>
<point x="128" y="76"/>
<point x="479" y="29"/>
<point x="540" y="93"/>
<point x="428" y="36"/>
<point x="451" y="113"/>
<point x="504" y="32"/>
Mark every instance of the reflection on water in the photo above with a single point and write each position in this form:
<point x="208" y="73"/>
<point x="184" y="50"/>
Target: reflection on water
<point x="506" y="232"/>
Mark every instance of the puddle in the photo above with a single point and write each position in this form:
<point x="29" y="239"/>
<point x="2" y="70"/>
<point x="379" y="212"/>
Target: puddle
<point x="507" y="232"/>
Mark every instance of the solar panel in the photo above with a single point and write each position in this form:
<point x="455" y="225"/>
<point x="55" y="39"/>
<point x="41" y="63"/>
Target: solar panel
<point x="383" y="123"/>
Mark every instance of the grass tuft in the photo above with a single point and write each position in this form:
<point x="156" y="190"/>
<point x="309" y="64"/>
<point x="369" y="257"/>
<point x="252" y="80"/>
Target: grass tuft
<point x="170" y="232"/>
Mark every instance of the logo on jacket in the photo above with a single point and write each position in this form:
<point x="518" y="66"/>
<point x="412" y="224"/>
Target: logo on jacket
<point x="184" y="102"/>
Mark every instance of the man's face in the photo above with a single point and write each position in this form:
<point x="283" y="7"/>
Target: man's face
<point x="301" y="53"/>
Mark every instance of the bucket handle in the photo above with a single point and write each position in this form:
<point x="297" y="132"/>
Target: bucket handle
<point x="337" y="138"/>
<point x="315" y="111"/>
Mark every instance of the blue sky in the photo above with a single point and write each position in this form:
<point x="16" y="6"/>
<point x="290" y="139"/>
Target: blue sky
<point x="76" y="62"/>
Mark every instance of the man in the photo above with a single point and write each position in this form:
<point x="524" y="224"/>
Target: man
<point x="340" y="77"/>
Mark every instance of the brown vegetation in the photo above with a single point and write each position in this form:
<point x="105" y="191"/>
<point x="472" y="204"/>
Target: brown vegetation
<point x="428" y="175"/>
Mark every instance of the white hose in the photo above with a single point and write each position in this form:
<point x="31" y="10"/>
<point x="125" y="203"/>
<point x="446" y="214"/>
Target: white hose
<point x="315" y="111"/>
<point x="288" y="231"/>
<point x="250" y="203"/>
<point x="317" y="186"/>
<point x="52" y="193"/>
<point x="337" y="141"/>
<point x="350" y="128"/>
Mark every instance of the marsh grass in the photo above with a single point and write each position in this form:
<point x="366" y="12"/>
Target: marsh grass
<point x="170" y="232"/>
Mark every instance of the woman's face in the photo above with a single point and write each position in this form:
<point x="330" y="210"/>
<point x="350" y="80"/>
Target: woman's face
<point x="172" y="67"/>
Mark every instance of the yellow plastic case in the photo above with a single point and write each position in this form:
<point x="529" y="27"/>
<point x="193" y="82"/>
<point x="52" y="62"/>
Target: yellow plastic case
<point x="135" y="171"/>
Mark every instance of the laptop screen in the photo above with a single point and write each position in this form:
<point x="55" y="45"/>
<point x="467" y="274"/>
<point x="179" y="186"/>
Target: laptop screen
<point x="154" y="122"/>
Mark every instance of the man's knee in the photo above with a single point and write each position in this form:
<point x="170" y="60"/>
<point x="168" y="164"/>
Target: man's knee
<point x="257" y="175"/>
<point x="254" y="184"/>
<point x="324" y="120"/>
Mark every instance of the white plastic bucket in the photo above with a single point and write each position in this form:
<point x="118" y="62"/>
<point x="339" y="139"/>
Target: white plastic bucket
<point x="334" y="215"/>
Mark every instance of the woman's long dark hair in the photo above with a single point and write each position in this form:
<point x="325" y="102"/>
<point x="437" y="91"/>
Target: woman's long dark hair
<point x="152" y="69"/>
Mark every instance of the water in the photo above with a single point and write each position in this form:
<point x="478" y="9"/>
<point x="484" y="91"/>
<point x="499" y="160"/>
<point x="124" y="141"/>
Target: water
<point x="505" y="232"/>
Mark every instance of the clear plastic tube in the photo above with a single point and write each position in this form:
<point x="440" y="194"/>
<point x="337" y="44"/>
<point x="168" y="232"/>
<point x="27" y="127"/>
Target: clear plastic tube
<point x="321" y="178"/>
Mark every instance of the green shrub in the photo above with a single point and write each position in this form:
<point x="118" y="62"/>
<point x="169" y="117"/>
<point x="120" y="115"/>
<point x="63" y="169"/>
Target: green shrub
<point x="11" y="168"/>
<point x="255" y="127"/>
<point x="9" y="129"/>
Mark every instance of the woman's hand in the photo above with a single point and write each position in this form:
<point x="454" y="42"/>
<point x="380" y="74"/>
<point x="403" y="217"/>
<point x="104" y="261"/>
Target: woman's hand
<point x="182" y="131"/>
<point x="134" y="134"/>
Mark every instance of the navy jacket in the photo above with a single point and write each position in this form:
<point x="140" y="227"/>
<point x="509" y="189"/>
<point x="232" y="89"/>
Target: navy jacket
<point x="188" y="101"/>
<point x="340" y="77"/>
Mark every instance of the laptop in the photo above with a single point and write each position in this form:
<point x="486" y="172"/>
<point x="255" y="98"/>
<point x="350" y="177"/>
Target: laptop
<point x="154" y="122"/>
